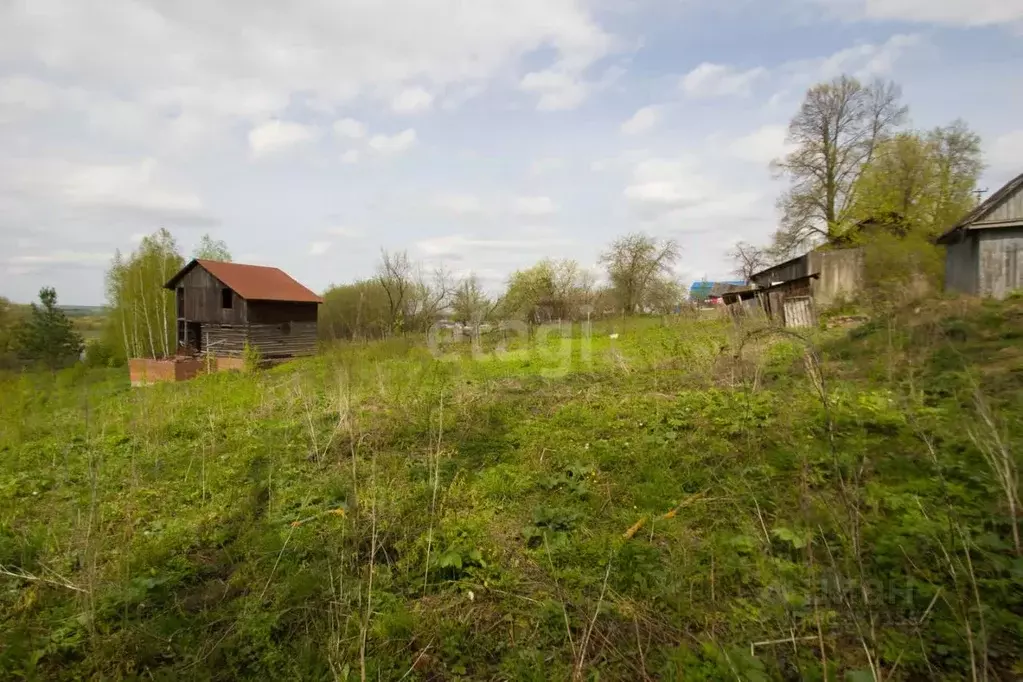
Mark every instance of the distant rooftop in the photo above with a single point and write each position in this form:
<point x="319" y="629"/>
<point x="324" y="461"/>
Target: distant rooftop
<point x="704" y="289"/>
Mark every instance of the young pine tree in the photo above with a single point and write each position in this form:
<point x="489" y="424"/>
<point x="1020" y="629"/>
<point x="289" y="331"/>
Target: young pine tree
<point x="46" y="335"/>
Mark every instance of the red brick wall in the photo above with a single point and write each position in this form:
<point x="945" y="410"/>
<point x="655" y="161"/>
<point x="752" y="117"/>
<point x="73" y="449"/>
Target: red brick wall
<point x="145" y="371"/>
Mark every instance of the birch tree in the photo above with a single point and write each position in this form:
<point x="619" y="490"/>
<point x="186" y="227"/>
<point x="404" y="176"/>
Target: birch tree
<point x="142" y="317"/>
<point x="212" y="249"/>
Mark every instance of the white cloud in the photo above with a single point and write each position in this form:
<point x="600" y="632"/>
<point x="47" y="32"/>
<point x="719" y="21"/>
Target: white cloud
<point x="61" y="257"/>
<point x="761" y="146"/>
<point x="558" y="90"/>
<point x="129" y="186"/>
<point x="1005" y="153"/>
<point x="459" y="204"/>
<point x="346" y="232"/>
<point x="866" y="60"/>
<point x="350" y="156"/>
<point x="319" y="248"/>
<point x="393" y="144"/>
<point x="946" y="12"/>
<point x="718" y="80"/>
<point x="643" y="120"/>
<point x="461" y="244"/>
<point x="22" y="96"/>
<point x="331" y="51"/>
<point x="349" y="128"/>
<point x="547" y="165"/>
<point x="274" y="137"/>
<point x="412" y="101"/>
<point x="954" y="12"/>
<point x="535" y="206"/>
<point x="680" y="189"/>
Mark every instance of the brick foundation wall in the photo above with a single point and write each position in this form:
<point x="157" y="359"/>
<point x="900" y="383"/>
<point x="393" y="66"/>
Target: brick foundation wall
<point x="146" y="371"/>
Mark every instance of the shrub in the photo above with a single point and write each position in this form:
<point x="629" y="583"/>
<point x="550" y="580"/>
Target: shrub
<point x="252" y="357"/>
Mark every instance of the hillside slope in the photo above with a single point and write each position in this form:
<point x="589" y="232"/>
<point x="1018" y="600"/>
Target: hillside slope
<point x="685" y="501"/>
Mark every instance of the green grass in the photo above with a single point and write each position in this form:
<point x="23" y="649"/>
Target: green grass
<point x="642" y="507"/>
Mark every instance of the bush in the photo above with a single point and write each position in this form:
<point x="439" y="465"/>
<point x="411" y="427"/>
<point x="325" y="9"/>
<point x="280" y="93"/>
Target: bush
<point x="252" y="358"/>
<point x="101" y="354"/>
<point x="898" y="270"/>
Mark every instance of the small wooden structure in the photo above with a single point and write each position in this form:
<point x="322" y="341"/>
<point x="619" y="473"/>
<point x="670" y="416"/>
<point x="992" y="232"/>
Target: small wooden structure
<point x="983" y="250"/>
<point x="836" y="273"/>
<point x="789" y="303"/>
<point x="221" y="307"/>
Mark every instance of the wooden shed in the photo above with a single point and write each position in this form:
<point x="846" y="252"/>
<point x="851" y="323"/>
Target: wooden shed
<point x="221" y="307"/>
<point x="982" y="252"/>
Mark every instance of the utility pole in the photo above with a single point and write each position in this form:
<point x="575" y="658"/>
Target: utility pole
<point x="979" y="192"/>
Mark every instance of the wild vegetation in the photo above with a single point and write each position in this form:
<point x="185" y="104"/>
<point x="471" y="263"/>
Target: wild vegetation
<point x="685" y="500"/>
<point x="612" y="486"/>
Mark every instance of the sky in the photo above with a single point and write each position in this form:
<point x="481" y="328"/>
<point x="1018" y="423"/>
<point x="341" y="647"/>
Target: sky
<point x="478" y="135"/>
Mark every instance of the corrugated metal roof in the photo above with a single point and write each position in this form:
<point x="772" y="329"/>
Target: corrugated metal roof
<point x="704" y="289"/>
<point x="984" y="208"/>
<point x="253" y="282"/>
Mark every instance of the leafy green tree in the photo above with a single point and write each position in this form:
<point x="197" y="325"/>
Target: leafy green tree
<point x="212" y="249"/>
<point x="355" y="311"/>
<point x="470" y="304"/>
<point x="834" y="133"/>
<point x="10" y="316"/>
<point x="920" y="183"/>
<point x="47" y="335"/>
<point x="550" y="290"/>
<point x="142" y="317"/>
<point x="634" y="263"/>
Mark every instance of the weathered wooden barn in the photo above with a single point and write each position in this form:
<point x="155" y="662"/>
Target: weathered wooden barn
<point x="831" y="274"/>
<point x="221" y="307"/>
<point x="982" y="252"/>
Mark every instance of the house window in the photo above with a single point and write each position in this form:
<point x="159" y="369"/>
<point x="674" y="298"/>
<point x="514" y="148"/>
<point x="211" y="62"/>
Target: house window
<point x="226" y="298"/>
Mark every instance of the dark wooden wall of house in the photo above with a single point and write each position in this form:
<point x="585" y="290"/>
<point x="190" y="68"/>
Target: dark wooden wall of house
<point x="203" y="301"/>
<point x="278" y="312"/>
<point x="289" y="339"/>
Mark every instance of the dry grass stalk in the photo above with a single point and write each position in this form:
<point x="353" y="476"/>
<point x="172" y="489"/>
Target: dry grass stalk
<point x="1001" y="462"/>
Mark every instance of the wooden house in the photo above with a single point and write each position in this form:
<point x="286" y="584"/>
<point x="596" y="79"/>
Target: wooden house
<point x="221" y="307"/>
<point x="982" y="251"/>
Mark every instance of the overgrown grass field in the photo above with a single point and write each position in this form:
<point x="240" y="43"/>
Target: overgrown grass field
<point x="676" y="499"/>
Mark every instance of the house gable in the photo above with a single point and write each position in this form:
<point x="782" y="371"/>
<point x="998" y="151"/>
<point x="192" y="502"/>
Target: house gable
<point x="1004" y="208"/>
<point x="1008" y="210"/>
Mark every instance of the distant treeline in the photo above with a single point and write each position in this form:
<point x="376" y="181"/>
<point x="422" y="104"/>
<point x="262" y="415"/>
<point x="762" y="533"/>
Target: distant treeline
<point x="404" y="297"/>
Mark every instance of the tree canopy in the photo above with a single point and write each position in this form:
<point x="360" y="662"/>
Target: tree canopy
<point x="47" y="335"/>
<point x="920" y="182"/>
<point x="634" y="264"/>
<point x="212" y="249"/>
<point x="142" y="316"/>
<point x="835" y="133"/>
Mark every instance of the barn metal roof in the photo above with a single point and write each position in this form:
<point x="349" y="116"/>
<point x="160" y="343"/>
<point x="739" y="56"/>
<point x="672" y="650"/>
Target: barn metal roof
<point x="252" y="282"/>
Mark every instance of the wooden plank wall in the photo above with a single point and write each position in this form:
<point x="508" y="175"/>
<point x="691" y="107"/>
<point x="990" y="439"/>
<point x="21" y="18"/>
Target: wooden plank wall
<point x="284" y="340"/>
<point x="1001" y="261"/>
<point x="1010" y="210"/>
<point x="203" y="299"/>
<point x="278" y="312"/>
<point x="272" y="340"/>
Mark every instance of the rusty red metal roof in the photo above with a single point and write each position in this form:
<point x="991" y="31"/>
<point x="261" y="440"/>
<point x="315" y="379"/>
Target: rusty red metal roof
<point x="252" y="282"/>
